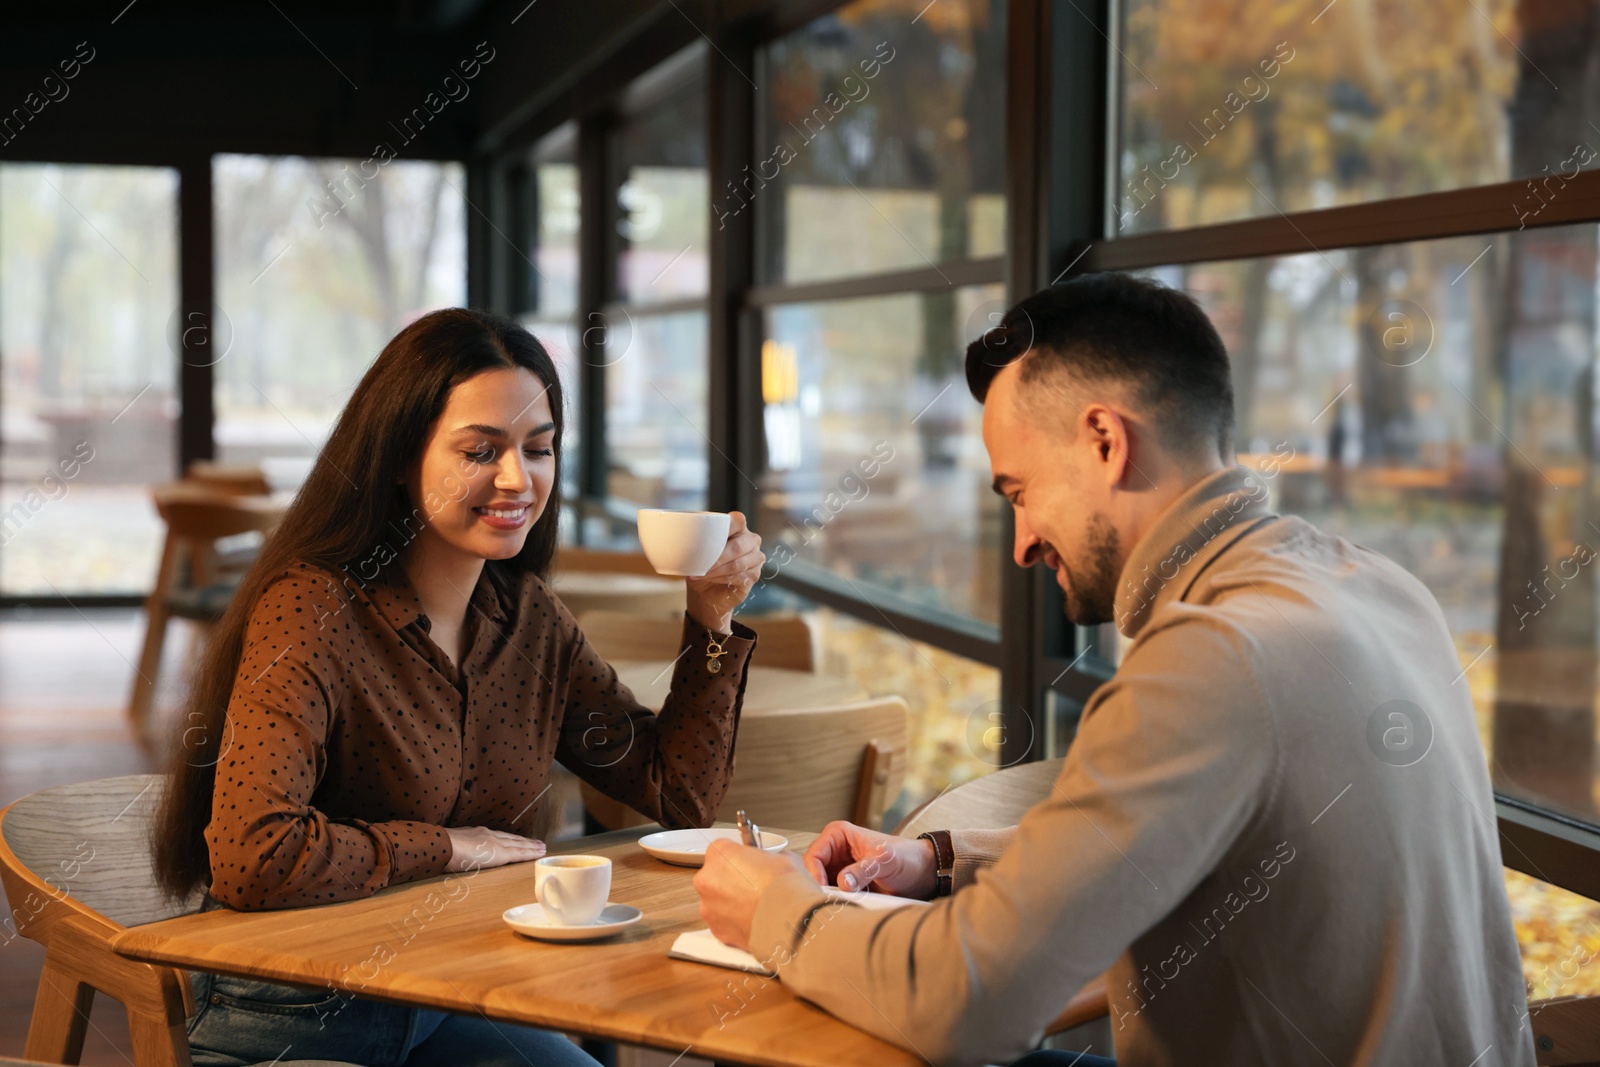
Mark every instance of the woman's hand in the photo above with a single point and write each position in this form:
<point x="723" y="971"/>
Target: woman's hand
<point x="853" y="857"/>
<point x="475" y="847"/>
<point x="713" y="596"/>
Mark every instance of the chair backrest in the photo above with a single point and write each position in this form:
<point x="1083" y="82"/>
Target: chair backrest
<point x="621" y="636"/>
<point x="574" y="558"/>
<point x="992" y="802"/>
<point x="802" y="769"/>
<point x="785" y="641"/>
<point x="198" y="517"/>
<point x="90" y="843"/>
<point x="244" y="480"/>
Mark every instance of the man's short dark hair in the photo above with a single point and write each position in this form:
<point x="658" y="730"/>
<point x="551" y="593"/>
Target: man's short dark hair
<point x="1121" y="328"/>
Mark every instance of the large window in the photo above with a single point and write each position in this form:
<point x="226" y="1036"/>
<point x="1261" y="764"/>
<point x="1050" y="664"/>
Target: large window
<point x="1435" y="400"/>
<point x="88" y="367"/>
<point x="319" y="263"/>
<point x="1402" y="378"/>
<point x="879" y="210"/>
<point x="655" y="338"/>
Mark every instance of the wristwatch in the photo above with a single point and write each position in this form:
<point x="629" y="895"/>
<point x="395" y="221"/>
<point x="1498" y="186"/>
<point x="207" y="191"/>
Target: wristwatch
<point x="944" y="860"/>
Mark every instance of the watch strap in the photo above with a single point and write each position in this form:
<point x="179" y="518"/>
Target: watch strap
<point x="944" y="860"/>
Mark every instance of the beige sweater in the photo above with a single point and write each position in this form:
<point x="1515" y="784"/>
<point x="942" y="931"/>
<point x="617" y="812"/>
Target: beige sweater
<point x="1243" y="833"/>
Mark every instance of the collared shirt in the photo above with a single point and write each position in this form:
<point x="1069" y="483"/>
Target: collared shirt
<point x="352" y="741"/>
<point x="1274" y="827"/>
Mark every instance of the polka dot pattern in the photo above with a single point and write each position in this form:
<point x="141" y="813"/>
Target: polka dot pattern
<point x="352" y="740"/>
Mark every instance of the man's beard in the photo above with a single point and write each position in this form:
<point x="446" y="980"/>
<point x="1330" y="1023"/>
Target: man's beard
<point x="1093" y="589"/>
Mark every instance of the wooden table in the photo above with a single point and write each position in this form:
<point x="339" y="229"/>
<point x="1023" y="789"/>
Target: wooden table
<point x="441" y="944"/>
<point x="639" y="594"/>
<point x="766" y="688"/>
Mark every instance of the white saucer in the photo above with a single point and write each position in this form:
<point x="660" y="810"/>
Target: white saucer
<point x="687" y="848"/>
<point x="531" y="919"/>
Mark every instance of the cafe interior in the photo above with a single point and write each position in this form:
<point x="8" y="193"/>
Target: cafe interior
<point x="757" y="237"/>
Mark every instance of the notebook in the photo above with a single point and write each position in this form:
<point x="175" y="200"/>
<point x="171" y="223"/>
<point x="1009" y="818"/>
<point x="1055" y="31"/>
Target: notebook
<point x="700" y="946"/>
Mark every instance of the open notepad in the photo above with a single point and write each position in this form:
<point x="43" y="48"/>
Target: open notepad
<point x="701" y="947"/>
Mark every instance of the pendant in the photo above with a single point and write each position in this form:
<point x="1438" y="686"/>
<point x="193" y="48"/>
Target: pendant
<point x="714" y="666"/>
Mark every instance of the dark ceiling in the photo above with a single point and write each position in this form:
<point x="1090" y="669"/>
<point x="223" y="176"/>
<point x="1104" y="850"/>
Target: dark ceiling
<point x="154" y="80"/>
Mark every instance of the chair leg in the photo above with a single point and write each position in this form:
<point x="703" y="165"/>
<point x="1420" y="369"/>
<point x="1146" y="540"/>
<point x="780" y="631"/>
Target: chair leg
<point x="157" y="1043"/>
<point x="60" y="1017"/>
<point x="155" y="636"/>
<point x="144" y="681"/>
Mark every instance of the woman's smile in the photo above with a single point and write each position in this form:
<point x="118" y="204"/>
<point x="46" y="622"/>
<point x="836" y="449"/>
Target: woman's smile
<point x="503" y="516"/>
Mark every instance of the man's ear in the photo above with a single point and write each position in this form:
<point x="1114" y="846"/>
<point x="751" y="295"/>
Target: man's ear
<point x="1108" y="435"/>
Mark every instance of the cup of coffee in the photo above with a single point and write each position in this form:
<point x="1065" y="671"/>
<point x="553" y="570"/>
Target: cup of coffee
<point x="572" y="889"/>
<point x="684" y="543"/>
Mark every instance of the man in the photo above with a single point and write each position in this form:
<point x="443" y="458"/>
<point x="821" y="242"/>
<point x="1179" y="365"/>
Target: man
<point x="1274" y="826"/>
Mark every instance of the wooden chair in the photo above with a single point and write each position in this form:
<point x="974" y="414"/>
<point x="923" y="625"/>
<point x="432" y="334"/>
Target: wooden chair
<point x="188" y="584"/>
<point x="802" y="769"/>
<point x="620" y="636"/>
<point x="75" y="863"/>
<point x="990" y="802"/>
<point x="785" y="641"/>
<point x="1566" y="1031"/>
<point x="576" y="558"/>
<point x="238" y="480"/>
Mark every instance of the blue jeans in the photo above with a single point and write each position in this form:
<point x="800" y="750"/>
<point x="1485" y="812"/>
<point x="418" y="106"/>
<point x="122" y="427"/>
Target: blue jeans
<point x="241" y="1021"/>
<point x="1061" y="1058"/>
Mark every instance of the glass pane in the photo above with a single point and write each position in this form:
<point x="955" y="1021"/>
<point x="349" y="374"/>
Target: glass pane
<point x="1244" y="111"/>
<point x="88" y="374"/>
<point x="1559" y="934"/>
<point x="875" y="465"/>
<point x="1436" y="402"/>
<point x="557" y="336"/>
<point x="555" y="238"/>
<point x="881" y="143"/>
<point x="656" y="409"/>
<point x="318" y="265"/>
<point x="661" y="229"/>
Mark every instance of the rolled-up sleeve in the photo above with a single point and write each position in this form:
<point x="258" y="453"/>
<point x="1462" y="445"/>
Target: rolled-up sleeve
<point x="673" y="766"/>
<point x="1165" y="773"/>
<point x="269" y="847"/>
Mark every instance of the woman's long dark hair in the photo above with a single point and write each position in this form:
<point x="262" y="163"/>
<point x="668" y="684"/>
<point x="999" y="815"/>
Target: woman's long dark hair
<point x="353" y="500"/>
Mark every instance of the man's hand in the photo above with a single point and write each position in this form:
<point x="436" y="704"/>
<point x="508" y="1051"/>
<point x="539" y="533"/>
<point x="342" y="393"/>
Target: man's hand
<point x="730" y="884"/>
<point x="476" y="847"/>
<point x="853" y="857"/>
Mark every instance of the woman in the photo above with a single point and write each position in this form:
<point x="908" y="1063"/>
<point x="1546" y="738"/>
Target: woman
<point x="385" y="697"/>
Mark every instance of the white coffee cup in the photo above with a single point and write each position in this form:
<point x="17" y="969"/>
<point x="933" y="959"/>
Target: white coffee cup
<point x="682" y="542"/>
<point x="572" y="889"/>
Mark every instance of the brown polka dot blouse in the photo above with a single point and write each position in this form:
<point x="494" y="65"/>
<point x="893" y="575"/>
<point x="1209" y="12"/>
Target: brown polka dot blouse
<point x="352" y="741"/>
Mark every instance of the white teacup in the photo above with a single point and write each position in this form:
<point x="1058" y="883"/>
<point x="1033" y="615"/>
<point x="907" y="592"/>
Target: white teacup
<point x="684" y="543"/>
<point x="572" y="889"/>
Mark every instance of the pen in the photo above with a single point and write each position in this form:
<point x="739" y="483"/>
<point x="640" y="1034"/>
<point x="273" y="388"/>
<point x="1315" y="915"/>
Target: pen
<point x="748" y="831"/>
